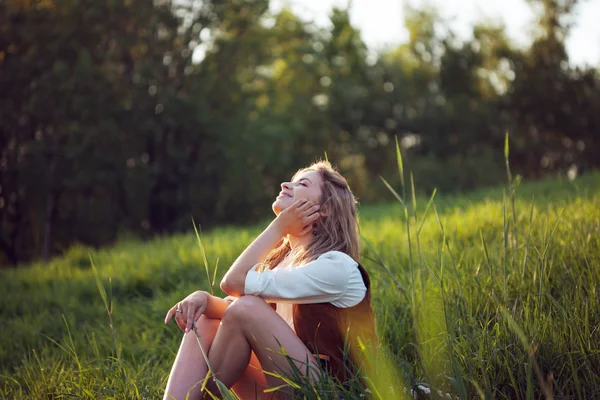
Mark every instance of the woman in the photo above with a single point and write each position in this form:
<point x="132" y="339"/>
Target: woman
<point x="319" y="295"/>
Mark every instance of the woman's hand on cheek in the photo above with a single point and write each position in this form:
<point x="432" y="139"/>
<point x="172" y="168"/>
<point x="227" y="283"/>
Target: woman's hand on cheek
<point x="297" y="219"/>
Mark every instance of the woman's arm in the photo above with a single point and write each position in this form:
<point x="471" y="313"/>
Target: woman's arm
<point x="331" y="278"/>
<point x="295" y="220"/>
<point x="215" y="306"/>
<point x="233" y="281"/>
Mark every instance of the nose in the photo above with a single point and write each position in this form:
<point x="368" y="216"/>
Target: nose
<point x="286" y="185"/>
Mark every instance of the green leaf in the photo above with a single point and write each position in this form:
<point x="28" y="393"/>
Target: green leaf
<point x="210" y="284"/>
<point x="426" y="210"/>
<point x="399" y="160"/>
<point x="100" y="287"/>
<point x="393" y="191"/>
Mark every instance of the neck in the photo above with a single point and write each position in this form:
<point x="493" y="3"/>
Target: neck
<point x="299" y="242"/>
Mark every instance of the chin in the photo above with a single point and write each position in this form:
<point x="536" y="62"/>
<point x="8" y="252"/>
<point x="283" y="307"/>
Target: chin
<point x="276" y="208"/>
<point x="279" y="205"/>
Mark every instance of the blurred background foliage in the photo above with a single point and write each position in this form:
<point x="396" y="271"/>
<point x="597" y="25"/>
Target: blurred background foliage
<point x="108" y="127"/>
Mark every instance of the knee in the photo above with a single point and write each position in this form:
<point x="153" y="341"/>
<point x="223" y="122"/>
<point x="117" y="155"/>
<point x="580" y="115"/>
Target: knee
<point x="244" y="309"/>
<point x="205" y="324"/>
<point x="206" y="327"/>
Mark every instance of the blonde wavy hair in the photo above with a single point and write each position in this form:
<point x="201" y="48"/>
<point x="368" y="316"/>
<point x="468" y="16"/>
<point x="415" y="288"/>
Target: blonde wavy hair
<point x="338" y="227"/>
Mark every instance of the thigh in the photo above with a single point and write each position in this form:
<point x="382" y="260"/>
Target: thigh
<point x="276" y="345"/>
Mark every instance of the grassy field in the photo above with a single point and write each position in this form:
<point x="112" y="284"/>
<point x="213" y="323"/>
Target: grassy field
<point x="483" y="298"/>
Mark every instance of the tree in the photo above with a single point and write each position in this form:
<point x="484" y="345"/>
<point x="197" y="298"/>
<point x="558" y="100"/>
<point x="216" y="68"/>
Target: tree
<point x="555" y="106"/>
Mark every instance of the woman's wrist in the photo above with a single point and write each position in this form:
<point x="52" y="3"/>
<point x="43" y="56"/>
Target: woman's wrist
<point x="215" y="306"/>
<point x="204" y="294"/>
<point x="276" y="227"/>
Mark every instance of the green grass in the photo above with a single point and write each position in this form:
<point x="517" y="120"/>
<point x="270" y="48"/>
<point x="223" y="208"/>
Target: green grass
<point x="487" y="305"/>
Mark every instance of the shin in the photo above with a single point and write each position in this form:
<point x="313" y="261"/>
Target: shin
<point x="189" y="368"/>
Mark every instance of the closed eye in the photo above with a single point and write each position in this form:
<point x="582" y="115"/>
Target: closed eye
<point x="302" y="181"/>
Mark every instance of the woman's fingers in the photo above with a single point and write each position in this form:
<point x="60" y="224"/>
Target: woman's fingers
<point x="313" y="209"/>
<point x="197" y="316"/>
<point x="170" y="314"/>
<point x="180" y="322"/>
<point x="189" y="312"/>
<point x="299" y="204"/>
<point x="312" y="217"/>
<point x="308" y="209"/>
<point x="181" y="315"/>
<point x="304" y="205"/>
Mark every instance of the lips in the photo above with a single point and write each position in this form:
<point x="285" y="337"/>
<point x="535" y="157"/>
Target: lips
<point x="283" y="194"/>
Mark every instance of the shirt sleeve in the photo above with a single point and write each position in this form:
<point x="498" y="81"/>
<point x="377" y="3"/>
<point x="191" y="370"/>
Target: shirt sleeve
<point x="323" y="280"/>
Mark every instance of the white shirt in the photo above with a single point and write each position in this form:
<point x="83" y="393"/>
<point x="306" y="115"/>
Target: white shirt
<point x="333" y="278"/>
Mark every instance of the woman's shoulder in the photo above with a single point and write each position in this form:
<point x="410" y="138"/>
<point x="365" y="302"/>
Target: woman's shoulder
<point x="335" y="255"/>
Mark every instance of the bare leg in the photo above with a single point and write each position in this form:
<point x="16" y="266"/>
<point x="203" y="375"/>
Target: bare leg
<point x="251" y="324"/>
<point x="189" y="368"/>
<point x="252" y="384"/>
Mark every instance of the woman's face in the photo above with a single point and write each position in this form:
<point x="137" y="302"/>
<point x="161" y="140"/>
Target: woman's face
<point x="307" y="185"/>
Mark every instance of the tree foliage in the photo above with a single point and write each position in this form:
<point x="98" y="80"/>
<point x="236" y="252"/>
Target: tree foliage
<point x="121" y="117"/>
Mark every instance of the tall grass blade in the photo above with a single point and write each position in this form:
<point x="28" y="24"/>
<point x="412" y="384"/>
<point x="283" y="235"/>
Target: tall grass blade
<point x="391" y="189"/>
<point x="410" y="258"/>
<point x="108" y="306"/>
<point x="528" y="347"/>
<point x="487" y="256"/>
<point x="504" y="247"/>
<point x="512" y="188"/>
<point x="418" y="242"/>
<point x="457" y="381"/>
<point x="382" y="377"/>
<point x="377" y="259"/>
<point x="429" y="203"/>
<point x="413" y="195"/>
<point x="100" y="287"/>
<point x="454" y="266"/>
<point x="71" y="346"/>
<point x="215" y="273"/>
<point x="506" y="146"/>
<point x="201" y="245"/>
<point x="524" y="267"/>
<point x="544" y="257"/>
<point x="399" y="161"/>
